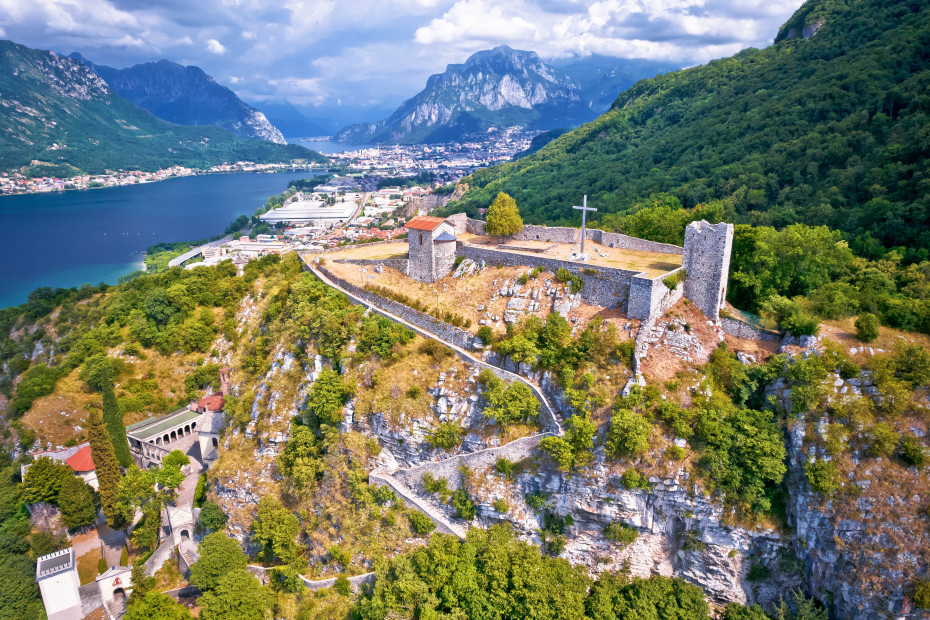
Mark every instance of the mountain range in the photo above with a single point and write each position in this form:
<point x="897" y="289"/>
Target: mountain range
<point x="60" y="117"/>
<point x="502" y="87"/>
<point x="186" y="95"/>
<point x="829" y="125"/>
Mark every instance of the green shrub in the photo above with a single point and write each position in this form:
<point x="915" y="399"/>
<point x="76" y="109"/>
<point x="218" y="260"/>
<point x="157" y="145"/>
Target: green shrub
<point x="504" y="466"/>
<point x="501" y="506"/>
<point x="632" y="480"/>
<point x="884" y="440"/>
<point x="789" y="315"/>
<point x="922" y="593"/>
<point x="200" y="491"/>
<point x="823" y="476"/>
<point x="867" y="327"/>
<point x="556" y="546"/>
<point x="758" y="572"/>
<point x="447" y="436"/>
<point x="124" y="556"/>
<point x="620" y="533"/>
<point x="912" y="452"/>
<point x="537" y="500"/>
<point x="674" y="453"/>
<point x="101" y="566"/>
<point x="414" y="392"/>
<point x="464" y="506"/>
<point x="486" y="334"/>
<point x="437" y="486"/>
<point x="628" y="434"/>
<point x="421" y="524"/>
<point x="692" y="542"/>
<point x="342" y="585"/>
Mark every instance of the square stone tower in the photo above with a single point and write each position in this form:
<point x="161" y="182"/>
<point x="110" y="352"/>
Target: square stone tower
<point x="59" y="582"/>
<point x="430" y="248"/>
<point x="707" y="262"/>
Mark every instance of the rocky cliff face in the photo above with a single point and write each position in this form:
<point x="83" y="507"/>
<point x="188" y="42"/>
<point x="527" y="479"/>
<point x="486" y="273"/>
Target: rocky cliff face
<point x="186" y="96"/>
<point x="492" y="88"/>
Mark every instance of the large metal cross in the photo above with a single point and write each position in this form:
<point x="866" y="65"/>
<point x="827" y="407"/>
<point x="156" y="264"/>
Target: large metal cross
<point x="584" y="208"/>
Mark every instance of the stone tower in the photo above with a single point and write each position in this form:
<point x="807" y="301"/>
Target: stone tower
<point x="430" y="248"/>
<point x="59" y="583"/>
<point x="707" y="262"/>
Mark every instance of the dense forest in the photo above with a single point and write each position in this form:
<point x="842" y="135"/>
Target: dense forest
<point x="830" y="130"/>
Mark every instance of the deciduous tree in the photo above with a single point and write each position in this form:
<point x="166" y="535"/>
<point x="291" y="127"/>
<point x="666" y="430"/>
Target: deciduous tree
<point x="77" y="503"/>
<point x="219" y="555"/>
<point x="503" y="217"/>
<point x="238" y="595"/>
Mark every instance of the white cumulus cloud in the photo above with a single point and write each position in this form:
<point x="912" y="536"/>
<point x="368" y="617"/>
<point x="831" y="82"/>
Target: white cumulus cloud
<point x="215" y="47"/>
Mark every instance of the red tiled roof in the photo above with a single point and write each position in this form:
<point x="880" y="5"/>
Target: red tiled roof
<point x="424" y="222"/>
<point x="81" y="460"/>
<point x="213" y="402"/>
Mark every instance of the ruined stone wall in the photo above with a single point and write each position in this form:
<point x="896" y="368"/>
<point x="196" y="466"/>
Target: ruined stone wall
<point x="572" y="235"/>
<point x="707" y="261"/>
<point x="603" y="286"/>
<point x="649" y="297"/>
<point x="617" y="240"/>
<point x="740" y="329"/>
<point x="400" y="264"/>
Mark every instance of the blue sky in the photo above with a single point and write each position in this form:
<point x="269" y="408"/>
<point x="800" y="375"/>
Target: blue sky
<point x="361" y="53"/>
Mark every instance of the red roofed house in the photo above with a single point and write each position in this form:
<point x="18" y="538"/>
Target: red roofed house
<point x="83" y="465"/>
<point x="430" y="248"/>
<point x="77" y="457"/>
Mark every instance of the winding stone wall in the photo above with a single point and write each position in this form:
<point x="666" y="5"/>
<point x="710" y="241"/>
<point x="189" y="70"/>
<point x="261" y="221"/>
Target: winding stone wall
<point x="449" y="469"/>
<point x="456" y="335"/>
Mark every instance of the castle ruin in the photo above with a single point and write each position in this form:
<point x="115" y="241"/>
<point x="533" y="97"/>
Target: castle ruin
<point x="434" y="244"/>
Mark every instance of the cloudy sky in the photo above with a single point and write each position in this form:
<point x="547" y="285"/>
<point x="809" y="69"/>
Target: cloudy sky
<point x="358" y="53"/>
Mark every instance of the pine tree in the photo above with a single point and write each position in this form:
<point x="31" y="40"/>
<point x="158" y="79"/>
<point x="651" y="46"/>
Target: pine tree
<point x="503" y="217"/>
<point x="115" y="427"/>
<point x="101" y="450"/>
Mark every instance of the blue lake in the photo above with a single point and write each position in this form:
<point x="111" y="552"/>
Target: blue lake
<point x="69" y="238"/>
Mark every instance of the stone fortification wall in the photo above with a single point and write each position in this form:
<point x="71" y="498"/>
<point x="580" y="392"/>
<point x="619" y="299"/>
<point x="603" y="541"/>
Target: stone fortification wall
<point x="571" y="235"/>
<point x="400" y="264"/>
<point x="649" y="297"/>
<point x="346" y="247"/>
<point x="457" y="336"/>
<point x="707" y="259"/>
<point x="741" y="329"/>
<point x="608" y="287"/>
<point x="449" y="469"/>
<point x="459" y="222"/>
<point x="618" y="240"/>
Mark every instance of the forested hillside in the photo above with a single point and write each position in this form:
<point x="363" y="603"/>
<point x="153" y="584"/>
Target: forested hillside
<point x="57" y="112"/>
<point x="833" y="129"/>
